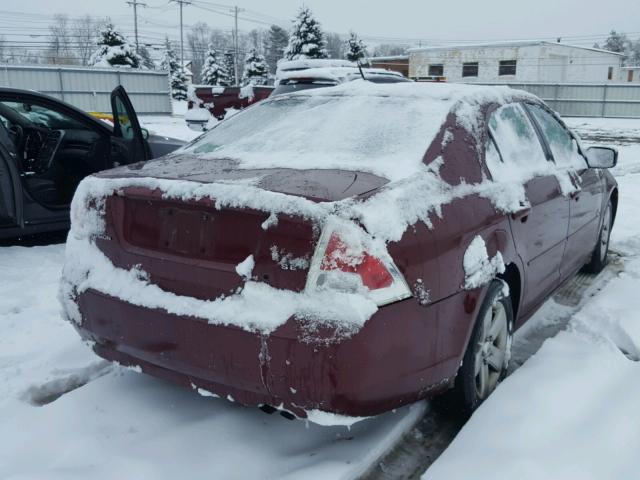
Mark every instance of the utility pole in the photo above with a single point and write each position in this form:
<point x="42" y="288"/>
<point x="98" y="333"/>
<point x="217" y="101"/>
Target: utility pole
<point x="181" y="3"/>
<point x="236" y="48"/>
<point x="134" y="4"/>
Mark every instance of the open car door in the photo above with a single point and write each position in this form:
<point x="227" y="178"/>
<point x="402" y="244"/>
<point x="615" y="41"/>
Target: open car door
<point x="130" y="138"/>
<point x="10" y="187"/>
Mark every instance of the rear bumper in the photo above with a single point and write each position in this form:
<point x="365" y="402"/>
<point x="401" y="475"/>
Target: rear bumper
<point x="397" y="358"/>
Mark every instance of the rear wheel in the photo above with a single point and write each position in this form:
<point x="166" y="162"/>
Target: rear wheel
<point x="599" y="256"/>
<point x="487" y="356"/>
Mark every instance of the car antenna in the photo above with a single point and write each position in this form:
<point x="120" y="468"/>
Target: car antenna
<point x="360" y="69"/>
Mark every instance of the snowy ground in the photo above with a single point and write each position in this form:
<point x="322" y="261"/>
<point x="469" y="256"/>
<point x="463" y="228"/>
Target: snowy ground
<point x="72" y="415"/>
<point x="170" y="126"/>
<point x="571" y="411"/>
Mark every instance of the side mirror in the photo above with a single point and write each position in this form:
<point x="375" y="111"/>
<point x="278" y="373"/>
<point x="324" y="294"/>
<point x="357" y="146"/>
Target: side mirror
<point x="602" y="157"/>
<point x="145" y="133"/>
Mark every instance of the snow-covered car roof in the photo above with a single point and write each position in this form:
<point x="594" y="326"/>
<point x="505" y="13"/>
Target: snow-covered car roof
<point x="449" y="93"/>
<point x="336" y="74"/>
<point x="303" y="64"/>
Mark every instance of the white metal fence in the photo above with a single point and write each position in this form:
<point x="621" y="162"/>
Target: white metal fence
<point x="587" y="100"/>
<point x="89" y="88"/>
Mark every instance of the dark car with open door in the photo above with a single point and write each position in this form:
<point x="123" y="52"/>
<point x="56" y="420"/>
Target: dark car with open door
<point x="48" y="146"/>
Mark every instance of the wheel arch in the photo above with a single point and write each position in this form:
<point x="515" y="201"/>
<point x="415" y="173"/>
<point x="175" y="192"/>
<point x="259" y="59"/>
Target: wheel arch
<point x="513" y="279"/>
<point x="613" y="197"/>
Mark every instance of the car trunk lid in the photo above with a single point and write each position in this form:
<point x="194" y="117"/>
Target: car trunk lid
<point x="315" y="184"/>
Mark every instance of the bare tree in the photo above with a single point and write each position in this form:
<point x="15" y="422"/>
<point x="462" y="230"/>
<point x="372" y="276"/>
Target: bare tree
<point x="257" y="39"/>
<point x="198" y="40"/>
<point x="61" y="43"/>
<point x="389" y="49"/>
<point x="221" y="40"/>
<point x="85" y="31"/>
<point x="277" y="41"/>
<point x="335" y="46"/>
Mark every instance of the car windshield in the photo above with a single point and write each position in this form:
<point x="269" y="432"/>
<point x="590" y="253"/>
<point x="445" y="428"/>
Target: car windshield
<point x="384" y="135"/>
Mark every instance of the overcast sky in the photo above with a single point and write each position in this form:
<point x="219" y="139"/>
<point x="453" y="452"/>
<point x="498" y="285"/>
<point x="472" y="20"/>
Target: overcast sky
<point x="461" y="20"/>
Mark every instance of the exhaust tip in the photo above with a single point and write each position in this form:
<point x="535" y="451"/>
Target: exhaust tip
<point x="267" y="408"/>
<point x="287" y="415"/>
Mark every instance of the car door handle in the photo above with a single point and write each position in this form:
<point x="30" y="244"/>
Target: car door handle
<point x="521" y="214"/>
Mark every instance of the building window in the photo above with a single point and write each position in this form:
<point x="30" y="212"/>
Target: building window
<point x="470" y="69"/>
<point x="610" y="73"/>
<point x="507" y="67"/>
<point x="436" y="70"/>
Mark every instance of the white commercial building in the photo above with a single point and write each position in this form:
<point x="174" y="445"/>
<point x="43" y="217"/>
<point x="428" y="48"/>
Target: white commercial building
<point x="544" y="62"/>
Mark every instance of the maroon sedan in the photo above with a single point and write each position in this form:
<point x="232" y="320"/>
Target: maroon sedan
<point x="345" y="250"/>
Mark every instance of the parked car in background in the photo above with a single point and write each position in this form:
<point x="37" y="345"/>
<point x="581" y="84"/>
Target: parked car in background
<point x="204" y="101"/>
<point x="296" y="75"/>
<point x="343" y="250"/>
<point x="48" y="146"/>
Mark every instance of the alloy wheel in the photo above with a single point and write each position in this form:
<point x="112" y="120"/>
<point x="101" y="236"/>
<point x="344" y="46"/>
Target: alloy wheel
<point x="605" y="233"/>
<point x="491" y="352"/>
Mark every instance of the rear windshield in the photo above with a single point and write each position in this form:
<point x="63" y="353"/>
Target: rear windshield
<point x="384" y="135"/>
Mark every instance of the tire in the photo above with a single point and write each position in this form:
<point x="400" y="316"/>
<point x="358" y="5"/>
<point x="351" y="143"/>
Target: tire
<point x="487" y="356"/>
<point x="599" y="256"/>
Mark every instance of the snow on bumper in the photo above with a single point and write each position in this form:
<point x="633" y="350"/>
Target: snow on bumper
<point x="292" y="368"/>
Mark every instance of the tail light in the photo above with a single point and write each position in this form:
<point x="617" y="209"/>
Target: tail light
<point x="347" y="259"/>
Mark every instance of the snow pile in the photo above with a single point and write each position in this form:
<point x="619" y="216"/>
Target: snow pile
<point x="245" y="268"/>
<point x="247" y="92"/>
<point x="306" y="63"/>
<point x="571" y="411"/>
<point x="478" y="268"/>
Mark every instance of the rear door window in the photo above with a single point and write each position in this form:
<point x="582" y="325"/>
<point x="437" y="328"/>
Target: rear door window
<point x="562" y="145"/>
<point x="520" y="148"/>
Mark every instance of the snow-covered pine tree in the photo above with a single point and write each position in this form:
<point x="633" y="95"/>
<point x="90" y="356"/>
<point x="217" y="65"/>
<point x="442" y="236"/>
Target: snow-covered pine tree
<point x="145" y="57"/>
<point x="256" y="70"/>
<point x="169" y="58"/>
<point x="178" y="75"/>
<point x="114" y="50"/>
<point x="179" y="84"/>
<point x="229" y="78"/>
<point x="212" y="72"/>
<point x="306" y="39"/>
<point x="355" y="48"/>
